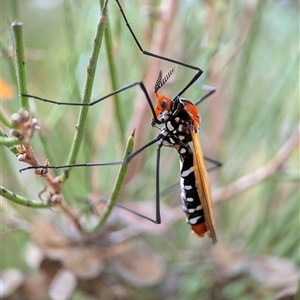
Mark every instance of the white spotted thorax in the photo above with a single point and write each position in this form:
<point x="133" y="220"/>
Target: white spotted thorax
<point x="163" y="116"/>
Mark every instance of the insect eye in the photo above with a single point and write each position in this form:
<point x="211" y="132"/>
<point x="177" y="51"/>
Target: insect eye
<point x="163" y="103"/>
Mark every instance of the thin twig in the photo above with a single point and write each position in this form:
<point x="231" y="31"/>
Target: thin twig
<point x="118" y="183"/>
<point x="26" y="126"/>
<point x="8" y="141"/>
<point x="262" y="173"/>
<point x="22" y="200"/>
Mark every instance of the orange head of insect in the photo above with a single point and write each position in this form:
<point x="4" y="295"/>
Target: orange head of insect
<point x="162" y="108"/>
<point x="164" y="103"/>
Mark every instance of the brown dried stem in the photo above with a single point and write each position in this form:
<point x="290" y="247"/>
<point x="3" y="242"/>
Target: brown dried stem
<point x="260" y="174"/>
<point x="26" y="126"/>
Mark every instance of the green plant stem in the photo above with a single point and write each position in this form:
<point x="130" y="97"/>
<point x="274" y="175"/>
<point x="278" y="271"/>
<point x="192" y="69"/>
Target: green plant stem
<point x="9" y="141"/>
<point x="4" y="120"/>
<point x="71" y="80"/>
<point x="91" y="69"/>
<point x="21" y="200"/>
<point x="17" y="28"/>
<point x="118" y="183"/>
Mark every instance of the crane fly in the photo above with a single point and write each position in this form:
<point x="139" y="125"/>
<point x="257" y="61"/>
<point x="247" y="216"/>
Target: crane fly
<point x="182" y="122"/>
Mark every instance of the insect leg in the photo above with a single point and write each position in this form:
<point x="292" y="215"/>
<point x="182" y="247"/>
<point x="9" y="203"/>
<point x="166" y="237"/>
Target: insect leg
<point x="157" y="193"/>
<point x="145" y="52"/>
<point x="127" y="160"/>
<point x="217" y="164"/>
<point x="124" y="88"/>
<point x="210" y="90"/>
<point x="157" y="219"/>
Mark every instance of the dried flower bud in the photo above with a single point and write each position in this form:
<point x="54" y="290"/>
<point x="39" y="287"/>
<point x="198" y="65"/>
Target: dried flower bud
<point x="21" y="157"/>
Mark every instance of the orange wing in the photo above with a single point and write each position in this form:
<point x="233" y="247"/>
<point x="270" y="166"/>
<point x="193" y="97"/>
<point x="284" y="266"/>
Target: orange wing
<point x="202" y="184"/>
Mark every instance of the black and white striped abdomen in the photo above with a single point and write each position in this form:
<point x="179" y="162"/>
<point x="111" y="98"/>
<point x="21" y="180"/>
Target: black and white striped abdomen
<point x="189" y="195"/>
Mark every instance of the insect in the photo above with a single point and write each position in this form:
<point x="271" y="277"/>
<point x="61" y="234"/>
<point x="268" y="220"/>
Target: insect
<point x="179" y="120"/>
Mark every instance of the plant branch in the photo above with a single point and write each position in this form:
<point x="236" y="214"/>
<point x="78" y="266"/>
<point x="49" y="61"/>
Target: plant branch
<point x="260" y="174"/>
<point x="17" y="28"/>
<point x="91" y="69"/>
<point x="118" y="183"/>
<point x="22" y="200"/>
<point x="9" y="141"/>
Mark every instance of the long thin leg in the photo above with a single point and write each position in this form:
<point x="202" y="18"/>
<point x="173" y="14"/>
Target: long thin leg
<point x="132" y="155"/>
<point x="213" y="161"/>
<point x="217" y="164"/>
<point x="157" y="192"/>
<point x="157" y="219"/>
<point x="130" y="210"/>
<point x="191" y="82"/>
<point x="210" y="90"/>
<point x="128" y="159"/>
<point x="129" y="86"/>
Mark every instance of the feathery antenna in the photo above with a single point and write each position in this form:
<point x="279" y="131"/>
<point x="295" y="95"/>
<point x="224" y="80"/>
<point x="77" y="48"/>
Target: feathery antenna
<point x="161" y="81"/>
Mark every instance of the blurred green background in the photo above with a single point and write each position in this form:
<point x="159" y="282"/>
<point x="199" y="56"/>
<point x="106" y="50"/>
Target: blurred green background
<point x="250" y="52"/>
